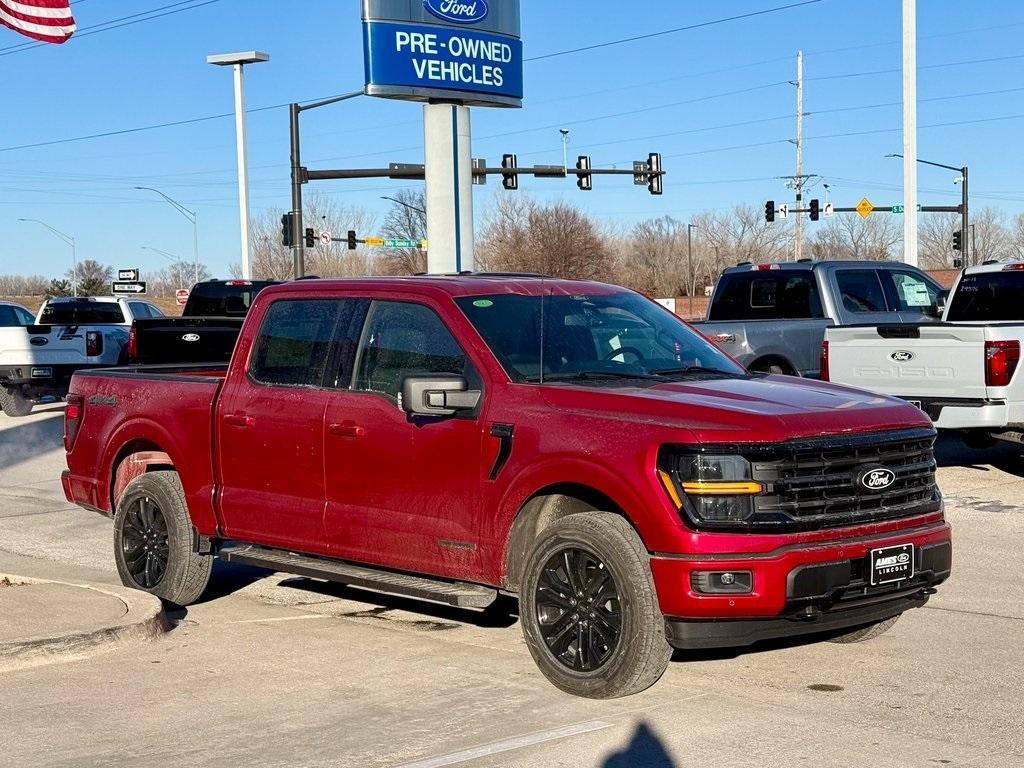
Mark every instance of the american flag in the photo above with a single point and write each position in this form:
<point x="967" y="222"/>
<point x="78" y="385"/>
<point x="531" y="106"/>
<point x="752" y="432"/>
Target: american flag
<point x="47" y="20"/>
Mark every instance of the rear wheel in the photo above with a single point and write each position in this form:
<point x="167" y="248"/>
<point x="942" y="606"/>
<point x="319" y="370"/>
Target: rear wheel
<point x="776" y="367"/>
<point x="590" y="614"/>
<point x="870" y="632"/>
<point x="14" y="403"/>
<point x="153" y="540"/>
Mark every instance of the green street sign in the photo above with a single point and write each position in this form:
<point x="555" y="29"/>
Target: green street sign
<point x="897" y="209"/>
<point x="404" y="243"/>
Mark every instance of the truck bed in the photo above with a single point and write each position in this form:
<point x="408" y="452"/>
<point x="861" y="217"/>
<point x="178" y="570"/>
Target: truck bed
<point x="174" y="404"/>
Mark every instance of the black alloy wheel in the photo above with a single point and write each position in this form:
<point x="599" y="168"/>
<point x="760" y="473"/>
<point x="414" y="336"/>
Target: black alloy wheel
<point x="578" y="609"/>
<point x="144" y="543"/>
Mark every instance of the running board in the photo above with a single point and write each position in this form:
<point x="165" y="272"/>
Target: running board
<point x="457" y="593"/>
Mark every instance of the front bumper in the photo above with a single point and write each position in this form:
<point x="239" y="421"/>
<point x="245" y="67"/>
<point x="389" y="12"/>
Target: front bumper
<point x="797" y="588"/>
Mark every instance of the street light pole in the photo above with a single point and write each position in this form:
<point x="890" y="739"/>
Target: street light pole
<point x="191" y="216"/>
<point x="74" y="254"/>
<point x="238" y="61"/>
<point x="406" y="205"/>
<point x="964" y="214"/>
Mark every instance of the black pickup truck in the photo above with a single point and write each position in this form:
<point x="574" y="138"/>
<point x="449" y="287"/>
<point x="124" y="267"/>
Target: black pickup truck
<point x="207" y="330"/>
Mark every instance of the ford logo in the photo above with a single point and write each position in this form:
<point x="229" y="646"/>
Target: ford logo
<point x="38" y="341"/>
<point x="876" y="478"/>
<point x="901" y="356"/>
<point x="458" y="11"/>
<point x="190" y="337"/>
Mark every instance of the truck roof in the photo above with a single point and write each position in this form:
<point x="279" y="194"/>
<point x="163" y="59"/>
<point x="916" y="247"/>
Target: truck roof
<point x="809" y="265"/>
<point x="101" y="299"/>
<point x="995" y="266"/>
<point x="463" y="284"/>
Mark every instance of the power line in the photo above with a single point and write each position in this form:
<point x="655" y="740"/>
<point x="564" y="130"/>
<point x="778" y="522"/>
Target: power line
<point x="650" y="35"/>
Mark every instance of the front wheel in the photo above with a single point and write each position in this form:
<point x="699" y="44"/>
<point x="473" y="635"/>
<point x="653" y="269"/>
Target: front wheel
<point x="863" y="634"/>
<point x="153" y="540"/>
<point x="14" y="403"/>
<point x="590" y="614"/>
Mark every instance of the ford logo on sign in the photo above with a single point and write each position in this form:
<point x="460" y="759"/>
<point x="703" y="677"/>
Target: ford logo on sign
<point x="876" y="478"/>
<point x="190" y="337"/>
<point x="902" y="356"/>
<point x="38" y="341"/>
<point x="458" y="11"/>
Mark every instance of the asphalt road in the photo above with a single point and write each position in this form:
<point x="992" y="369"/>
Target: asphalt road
<point x="279" y="671"/>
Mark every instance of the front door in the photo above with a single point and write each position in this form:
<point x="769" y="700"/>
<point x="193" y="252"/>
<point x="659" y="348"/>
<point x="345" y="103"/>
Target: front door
<point x="270" y="426"/>
<point x="401" y="490"/>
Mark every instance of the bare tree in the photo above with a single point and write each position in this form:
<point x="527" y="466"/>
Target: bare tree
<point x="180" y="274"/>
<point x="406" y="220"/>
<point x="656" y="262"/>
<point x="22" y="285"/>
<point x="990" y="238"/>
<point x="852" y="237"/>
<point x="935" y="240"/>
<point x="91" y="277"/>
<point x="742" y="234"/>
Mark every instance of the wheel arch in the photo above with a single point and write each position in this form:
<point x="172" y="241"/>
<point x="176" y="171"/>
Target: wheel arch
<point x="134" y="459"/>
<point x="773" y="358"/>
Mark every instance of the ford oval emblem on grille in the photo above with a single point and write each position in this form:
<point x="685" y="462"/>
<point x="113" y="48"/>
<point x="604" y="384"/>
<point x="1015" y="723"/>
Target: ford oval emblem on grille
<point x="901" y="356"/>
<point x="190" y="337"/>
<point x="876" y="478"/>
<point x="458" y="11"/>
<point x="38" y="341"/>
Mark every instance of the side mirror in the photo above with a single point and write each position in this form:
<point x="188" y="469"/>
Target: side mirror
<point x="940" y="302"/>
<point x="441" y="394"/>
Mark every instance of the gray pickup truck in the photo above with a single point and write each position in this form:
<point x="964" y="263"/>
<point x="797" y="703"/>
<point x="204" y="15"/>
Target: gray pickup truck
<point x="772" y="317"/>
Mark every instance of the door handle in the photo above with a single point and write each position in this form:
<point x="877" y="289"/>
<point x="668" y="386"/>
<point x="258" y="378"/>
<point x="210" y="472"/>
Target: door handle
<point x="346" y="429"/>
<point x="239" y="420"/>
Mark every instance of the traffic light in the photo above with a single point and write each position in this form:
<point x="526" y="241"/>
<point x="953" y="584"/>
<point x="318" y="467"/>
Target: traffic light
<point x="310" y="237"/>
<point x="509" y="176"/>
<point x="769" y="211"/>
<point x="957" y="241"/>
<point x="815" y="210"/>
<point x="584" y="181"/>
<point x="287" y="230"/>
<point x="654" y="185"/>
<point x="351" y="239"/>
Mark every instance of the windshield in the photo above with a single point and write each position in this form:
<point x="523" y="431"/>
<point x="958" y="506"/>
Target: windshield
<point x="990" y="296"/>
<point x="226" y="299"/>
<point x="621" y="335"/>
<point x="81" y="313"/>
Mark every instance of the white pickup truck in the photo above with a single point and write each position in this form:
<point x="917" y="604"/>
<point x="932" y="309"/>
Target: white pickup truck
<point x="38" y="358"/>
<point x="962" y="370"/>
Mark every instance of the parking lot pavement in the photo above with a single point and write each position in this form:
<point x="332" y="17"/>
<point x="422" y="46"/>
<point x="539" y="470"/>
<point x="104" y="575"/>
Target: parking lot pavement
<point x="277" y="671"/>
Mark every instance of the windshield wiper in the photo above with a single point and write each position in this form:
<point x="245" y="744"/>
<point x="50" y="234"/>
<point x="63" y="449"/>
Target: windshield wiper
<point x="583" y="375"/>
<point x="694" y="369"/>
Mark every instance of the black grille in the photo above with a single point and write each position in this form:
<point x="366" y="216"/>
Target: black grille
<point x="815" y="484"/>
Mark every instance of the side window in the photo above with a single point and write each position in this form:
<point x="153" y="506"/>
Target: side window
<point x="404" y="339"/>
<point x="732" y="298"/>
<point x="860" y="290"/>
<point x="294" y="342"/>
<point x="911" y="292"/>
<point x="27" y="318"/>
<point x="154" y="310"/>
<point x="139" y="309"/>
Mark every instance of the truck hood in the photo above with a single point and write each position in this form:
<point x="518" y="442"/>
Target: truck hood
<point x="757" y="409"/>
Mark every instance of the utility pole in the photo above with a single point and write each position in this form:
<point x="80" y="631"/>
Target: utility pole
<point x="910" y="133"/>
<point x="965" y="218"/>
<point x="798" y="232"/>
<point x="565" y="148"/>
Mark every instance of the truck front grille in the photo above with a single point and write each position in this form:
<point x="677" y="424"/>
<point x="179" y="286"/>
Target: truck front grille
<point x="815" y="484"/>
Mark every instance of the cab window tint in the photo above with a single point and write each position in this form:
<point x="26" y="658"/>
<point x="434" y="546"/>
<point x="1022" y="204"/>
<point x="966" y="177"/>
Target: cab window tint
<point x="767" y="295"/>
<point x="405" y="339"/>
<point x="294" y="342"/>
<point x="860" y="290"/>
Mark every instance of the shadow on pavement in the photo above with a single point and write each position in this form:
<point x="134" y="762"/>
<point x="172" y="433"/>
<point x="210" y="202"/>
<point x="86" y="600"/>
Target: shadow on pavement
<point x="645" y="750"/>
<point x="950" y="451"/>
<point x="25" y="441"/>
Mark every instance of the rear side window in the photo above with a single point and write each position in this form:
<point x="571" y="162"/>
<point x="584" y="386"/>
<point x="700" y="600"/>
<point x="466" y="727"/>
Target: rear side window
<point x="993" y="296"/>
<point x="229" y="299"/>
<point x="139" y="309"/>
<point x="767" y="295"/>
<point x="860" y="290"/>
<point x="81" y="313"/>
<point x="13" y="316"/>
<point x="294" y="342"/>
<point x="405" y="339"/>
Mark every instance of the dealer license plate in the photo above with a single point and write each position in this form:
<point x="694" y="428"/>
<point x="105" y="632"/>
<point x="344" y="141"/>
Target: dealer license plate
<point x="889" y="564"/>
<point x="42" y="373"/>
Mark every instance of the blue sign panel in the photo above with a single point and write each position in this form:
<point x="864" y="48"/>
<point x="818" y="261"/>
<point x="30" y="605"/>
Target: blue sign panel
<point x="422" y="61"/>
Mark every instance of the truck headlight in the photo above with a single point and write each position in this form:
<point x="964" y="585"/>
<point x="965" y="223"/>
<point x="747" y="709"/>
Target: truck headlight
<point x="713" y="489"/>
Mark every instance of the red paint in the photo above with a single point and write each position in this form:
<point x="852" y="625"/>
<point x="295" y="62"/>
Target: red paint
<point x="348" y="474"/>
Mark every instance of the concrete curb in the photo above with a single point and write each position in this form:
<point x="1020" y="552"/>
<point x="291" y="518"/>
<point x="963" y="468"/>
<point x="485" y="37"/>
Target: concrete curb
<point x="144" y="619"/>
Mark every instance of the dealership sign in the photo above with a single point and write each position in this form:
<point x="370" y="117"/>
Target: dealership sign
<point x="466" y="51"/>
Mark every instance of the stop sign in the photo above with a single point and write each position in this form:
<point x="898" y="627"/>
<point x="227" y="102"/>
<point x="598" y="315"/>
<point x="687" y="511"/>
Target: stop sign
<point x="181" y="296"/>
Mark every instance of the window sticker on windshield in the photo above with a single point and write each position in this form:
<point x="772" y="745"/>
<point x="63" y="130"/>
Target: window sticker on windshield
<point x="915" y="294"/>
<point x="483" y="303"/>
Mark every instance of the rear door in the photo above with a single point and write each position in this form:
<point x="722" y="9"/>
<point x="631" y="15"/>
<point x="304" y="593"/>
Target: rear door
<point x="911" y="361"/>
<point x="401" y="490"/>
<point x="270" y="425"/>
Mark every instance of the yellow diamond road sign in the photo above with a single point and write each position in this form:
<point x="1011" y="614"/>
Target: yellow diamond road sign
<point x="864" y="208"/>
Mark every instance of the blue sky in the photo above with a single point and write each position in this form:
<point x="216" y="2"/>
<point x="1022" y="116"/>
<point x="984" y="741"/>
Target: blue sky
<point x="699" y="97"/>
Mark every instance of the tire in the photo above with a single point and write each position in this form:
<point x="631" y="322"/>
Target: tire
<point x="870" y="632"/>
<point x="611" y="665"/>
<point x="153" y="540"/>
<point x="774" y="369"/>
<point x="14" y="403"/>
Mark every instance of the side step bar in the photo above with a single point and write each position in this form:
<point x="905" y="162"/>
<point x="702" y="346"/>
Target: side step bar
<point x="457" y="593"/>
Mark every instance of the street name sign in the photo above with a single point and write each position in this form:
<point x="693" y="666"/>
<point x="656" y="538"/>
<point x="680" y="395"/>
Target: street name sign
<point x="128" y="274"/>
<point x="377" y="241"/>
<point x="128" y="288"/>
<point x="468" y="51"/>
<point x="864" y="208"/>
<point x="402" y="243"/>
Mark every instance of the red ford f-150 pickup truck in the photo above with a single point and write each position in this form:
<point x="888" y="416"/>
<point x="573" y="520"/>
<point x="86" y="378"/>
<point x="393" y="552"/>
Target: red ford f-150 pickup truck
<point x="570" y="443"/>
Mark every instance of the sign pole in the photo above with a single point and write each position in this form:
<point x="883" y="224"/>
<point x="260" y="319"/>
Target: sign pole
<point x="449" y="187"/>
<point x="910" y="132"/>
